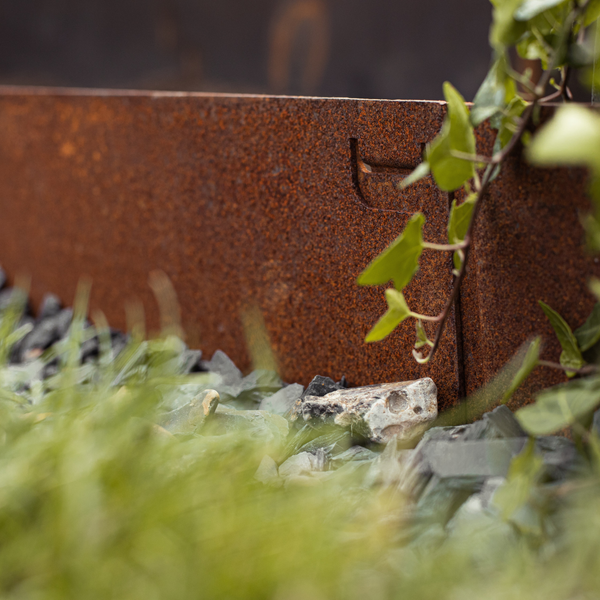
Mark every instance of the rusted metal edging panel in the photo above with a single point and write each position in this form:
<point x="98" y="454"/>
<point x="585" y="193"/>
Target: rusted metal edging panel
<point x="268" y="201"/>
<point x="279" y="203"/>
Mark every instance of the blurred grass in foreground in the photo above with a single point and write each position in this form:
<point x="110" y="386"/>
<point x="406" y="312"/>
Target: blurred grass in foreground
<point x="95" y="502"/>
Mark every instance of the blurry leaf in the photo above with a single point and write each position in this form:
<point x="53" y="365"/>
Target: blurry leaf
<point x="400" y="260"/>
<point x="512" y="375"/>
<point x="166" y="297"/>
<point x="581" y="55"/>
<point x="560" y="407"/>
<point x="572" y="137"/>
<point x="495" y="92"/>
<point x="421" y="171"/>
<point x="398" y="311"/>
<point x="589" y="333"/>
<point x="508" y="125"/>
<point x="591" y="226"/>
<point x="531" y="48"/>
<point x="457" y="133"/>
<point x="18" y="334"/>
<point x="505" y="30"/>
<point x="594" y="285"/>
<point x="571" y="355"/>
<point x="530" y="8"/>
<point x="529" y="362"/>
<point x="257" y="339"/>
<point x="592" y="12"/>
<point x="523" y="474"/>
<point x="458" y="223"/>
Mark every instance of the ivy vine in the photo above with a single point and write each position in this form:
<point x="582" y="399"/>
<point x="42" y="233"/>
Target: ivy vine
<point x="562" y="34"/>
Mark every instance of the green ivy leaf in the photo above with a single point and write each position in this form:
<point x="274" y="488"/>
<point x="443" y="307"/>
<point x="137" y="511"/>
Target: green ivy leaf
<point x="531" y="8"/>
<point x="400" y="260"/>
<point x="421" y="171"/>
<point x="571" y="354"/>
<point x="588" y="334"/>
<point x="572" y="137"/>
<point x="398" y="311"/>
<point x="560" y="407"/>
<point x="495" y="92"/>
<point x="457" y="133"/>
<point x="458" y="224"/>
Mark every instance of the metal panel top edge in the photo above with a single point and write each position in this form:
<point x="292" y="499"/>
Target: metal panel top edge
<point x="9" y="90"/>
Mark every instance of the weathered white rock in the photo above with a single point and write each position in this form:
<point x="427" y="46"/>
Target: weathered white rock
<point x="378" y="412"/>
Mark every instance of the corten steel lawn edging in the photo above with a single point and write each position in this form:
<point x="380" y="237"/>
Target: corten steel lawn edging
<point x="279" y="203"/>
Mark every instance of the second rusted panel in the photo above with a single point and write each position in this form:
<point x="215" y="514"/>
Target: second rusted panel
<point x="528" y="246"/>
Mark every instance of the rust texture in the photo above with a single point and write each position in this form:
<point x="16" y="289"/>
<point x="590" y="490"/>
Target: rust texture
<point x="529" y="246"/>
<point x="242" y="201"/>
<point x="279" y="203"/>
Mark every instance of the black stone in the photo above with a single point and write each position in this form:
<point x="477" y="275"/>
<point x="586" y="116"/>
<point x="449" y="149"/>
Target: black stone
<point x="46" y="332"/>
<point x="501" y="423"/>
<point x="191" y="362"/>
<point x="50" y="369"/>
<point x="320" y="386"/>
<point x="51" y="306"/>
<point x="497" y="424"/>
<point x="90" y="349"/>
<point x="118" y="341"/>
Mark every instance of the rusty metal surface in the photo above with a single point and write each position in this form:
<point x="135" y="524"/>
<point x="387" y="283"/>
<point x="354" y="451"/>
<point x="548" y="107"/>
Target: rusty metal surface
<point x="529" y="246"/>
<point x="280" y="203"/>
<point x="241" y="201"/>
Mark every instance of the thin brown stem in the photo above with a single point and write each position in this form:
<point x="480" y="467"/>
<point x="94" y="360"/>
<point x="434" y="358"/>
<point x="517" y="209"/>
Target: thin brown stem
<point x="587" y="370"/>
<point x="475" y="158"/>
<point x="435" y="319"/>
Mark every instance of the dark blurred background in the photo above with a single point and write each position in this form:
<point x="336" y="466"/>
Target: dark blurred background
<point x="356" y="48"/>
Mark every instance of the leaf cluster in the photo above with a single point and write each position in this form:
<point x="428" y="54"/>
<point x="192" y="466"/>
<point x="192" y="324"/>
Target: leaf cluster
<point x="557" y="32"/>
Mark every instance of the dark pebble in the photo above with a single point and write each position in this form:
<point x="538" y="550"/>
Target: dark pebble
<point x="320" y="386"/>
<point x="51" y="306"/>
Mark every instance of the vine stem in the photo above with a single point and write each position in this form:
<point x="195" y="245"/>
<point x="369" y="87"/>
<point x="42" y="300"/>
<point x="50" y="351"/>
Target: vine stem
<point x="587" y="370"/>
<point x="445" y="247"/>
<point x="488" y="174"/>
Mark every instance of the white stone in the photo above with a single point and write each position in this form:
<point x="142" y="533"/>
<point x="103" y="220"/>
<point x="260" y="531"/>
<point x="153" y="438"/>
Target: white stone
<point x="304" y="463"/>
<point x="378" y="412"/>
